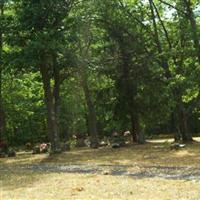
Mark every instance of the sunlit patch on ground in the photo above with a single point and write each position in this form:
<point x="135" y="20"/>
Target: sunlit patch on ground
<point x="155" y="158"/>
<point x="77" y="186"/>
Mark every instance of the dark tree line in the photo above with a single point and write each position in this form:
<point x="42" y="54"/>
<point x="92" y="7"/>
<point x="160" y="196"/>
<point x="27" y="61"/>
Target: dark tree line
<point x="100" y="66"/>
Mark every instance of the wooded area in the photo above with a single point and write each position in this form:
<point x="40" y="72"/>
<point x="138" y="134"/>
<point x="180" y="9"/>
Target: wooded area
<point x="93" y="67"/>
<point x="99" y="99"/>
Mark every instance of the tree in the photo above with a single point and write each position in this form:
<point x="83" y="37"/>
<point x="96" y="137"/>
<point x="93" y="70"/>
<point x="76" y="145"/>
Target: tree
<point x="85" y="40"/>
<point x="43" y="29"/>
<point x="182" y="130"/>
<point x="2" y="114"/>
<point x="132" y="68"/>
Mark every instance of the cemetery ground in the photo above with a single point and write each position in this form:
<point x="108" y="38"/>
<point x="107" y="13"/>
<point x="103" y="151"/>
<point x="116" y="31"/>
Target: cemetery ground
<point x="152" y="171"/>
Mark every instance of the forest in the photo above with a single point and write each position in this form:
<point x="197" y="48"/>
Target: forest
<point x="80" y="79"/>
<point x="92" y="67"/>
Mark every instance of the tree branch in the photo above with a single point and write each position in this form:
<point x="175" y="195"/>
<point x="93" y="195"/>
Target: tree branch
<point x="174" y="7"/>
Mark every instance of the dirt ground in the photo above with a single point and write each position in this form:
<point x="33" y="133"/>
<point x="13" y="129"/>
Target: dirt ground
<point x="150" y="171"/>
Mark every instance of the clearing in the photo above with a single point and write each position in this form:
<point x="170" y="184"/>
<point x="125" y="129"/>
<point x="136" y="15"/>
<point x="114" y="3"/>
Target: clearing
<point x="150" y="171"/>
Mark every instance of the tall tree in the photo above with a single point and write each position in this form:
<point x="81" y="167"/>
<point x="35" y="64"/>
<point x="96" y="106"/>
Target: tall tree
<point x="2" y="114"/>
<point x="132" y="68"/>
<point x="187" y="4"/>
<point x="85" y="57"/>
<point x="43" y="29"/>
<point x="182" y="130"/>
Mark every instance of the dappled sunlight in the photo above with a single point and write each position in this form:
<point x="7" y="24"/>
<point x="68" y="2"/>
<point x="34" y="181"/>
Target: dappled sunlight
<point x="78" y="186"/>
<point x="183" y="153"/>
<point x="164" y="140"/>
<point x="152" y="153"/>
<point x="138" y="159"/>
<point x="99" y="100"/>
<point x="23" y="159"/>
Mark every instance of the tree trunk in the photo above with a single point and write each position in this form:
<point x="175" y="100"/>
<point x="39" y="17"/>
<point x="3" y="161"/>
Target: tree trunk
<point x="164" y="62"/>
<point x="2" y="114"/>
<point x="174" y="127"/>
<point x="56" y="92"/>
<point x="137" y="133"/>
<point x="183" y="130"/>
<point x="183" y="124"/>
<point x="92" y="119"/>
<point x="186" y="135"/>
<point x="51" y="115"/>
<point x="133" y="133"/>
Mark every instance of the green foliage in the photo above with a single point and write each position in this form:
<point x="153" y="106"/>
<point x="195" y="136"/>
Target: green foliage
<point x="139" y="65"/>
<point x="23" y="100"/>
